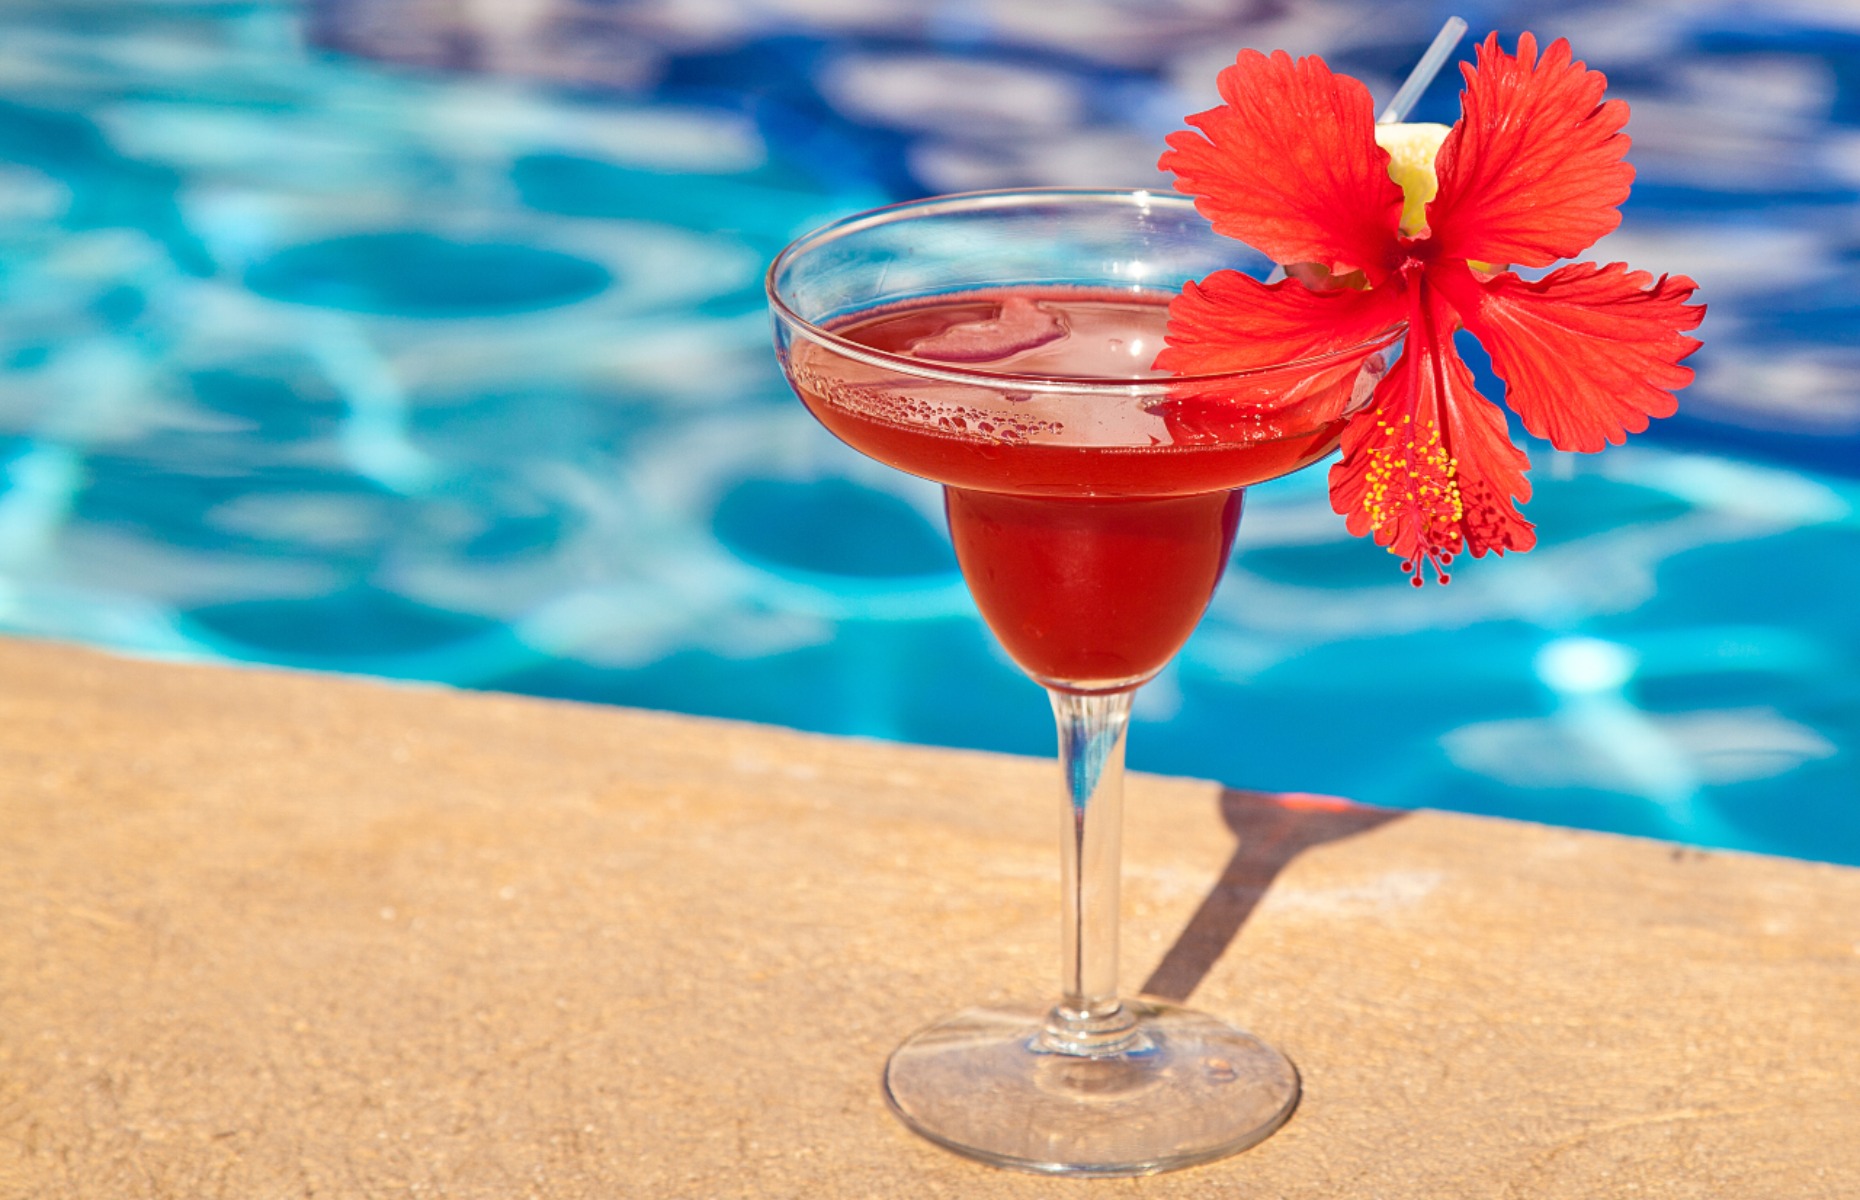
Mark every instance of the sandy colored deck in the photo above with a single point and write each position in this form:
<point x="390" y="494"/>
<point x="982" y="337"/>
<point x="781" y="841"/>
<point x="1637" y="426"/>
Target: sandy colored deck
<point x="265" y="935"/>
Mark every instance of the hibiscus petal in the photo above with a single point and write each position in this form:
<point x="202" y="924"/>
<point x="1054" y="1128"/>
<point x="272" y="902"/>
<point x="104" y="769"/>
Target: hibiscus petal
<point x="1587" y="353"/>
<point x="1233" y="322"/>
<point x="1289" y="165"/>
<point x="1532" y="172"/>
<point x="1430" y="469"/>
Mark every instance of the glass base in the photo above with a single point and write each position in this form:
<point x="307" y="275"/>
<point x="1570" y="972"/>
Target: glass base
<point x="1183" y="1088"/>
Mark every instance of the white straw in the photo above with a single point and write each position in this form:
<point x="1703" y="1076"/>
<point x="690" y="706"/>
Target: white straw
<point x="1424" y="71"/>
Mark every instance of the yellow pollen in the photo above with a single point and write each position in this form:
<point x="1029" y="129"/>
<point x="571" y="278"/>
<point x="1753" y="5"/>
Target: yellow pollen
<point x="1434" y="496"/>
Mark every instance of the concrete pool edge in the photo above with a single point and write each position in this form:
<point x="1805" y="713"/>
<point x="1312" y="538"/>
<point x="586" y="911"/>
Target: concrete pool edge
<point x="266" y="931"/>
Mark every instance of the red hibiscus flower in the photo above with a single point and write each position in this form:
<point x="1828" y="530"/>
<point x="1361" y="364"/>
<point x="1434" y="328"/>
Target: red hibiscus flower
<point x="1531" y="173"/>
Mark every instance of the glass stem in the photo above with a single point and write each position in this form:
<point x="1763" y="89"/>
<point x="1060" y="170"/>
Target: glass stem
<point x="1089" y="1019"/>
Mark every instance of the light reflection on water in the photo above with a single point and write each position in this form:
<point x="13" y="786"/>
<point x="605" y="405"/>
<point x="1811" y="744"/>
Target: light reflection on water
<point x="439" y="351"/>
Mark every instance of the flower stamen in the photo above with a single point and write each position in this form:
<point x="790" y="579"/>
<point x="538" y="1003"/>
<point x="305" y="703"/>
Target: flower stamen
<point x="1412" y="486"/>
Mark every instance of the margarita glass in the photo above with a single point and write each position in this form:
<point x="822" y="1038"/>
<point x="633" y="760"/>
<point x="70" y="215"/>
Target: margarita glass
<point x="1000" y="344"/>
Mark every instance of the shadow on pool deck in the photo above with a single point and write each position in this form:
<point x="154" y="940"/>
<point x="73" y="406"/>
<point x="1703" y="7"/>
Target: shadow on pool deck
<point x="1273" y="830"/>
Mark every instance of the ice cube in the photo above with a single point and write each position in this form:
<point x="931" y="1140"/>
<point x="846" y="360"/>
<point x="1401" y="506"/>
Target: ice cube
<point x="1020" y="325"/>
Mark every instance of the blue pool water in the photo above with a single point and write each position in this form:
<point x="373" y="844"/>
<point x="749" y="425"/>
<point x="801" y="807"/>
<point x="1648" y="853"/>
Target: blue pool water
<point x="426" y="341"/>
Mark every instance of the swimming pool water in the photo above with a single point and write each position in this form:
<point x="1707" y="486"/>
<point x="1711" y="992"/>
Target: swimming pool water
<point x="428" y="342"/>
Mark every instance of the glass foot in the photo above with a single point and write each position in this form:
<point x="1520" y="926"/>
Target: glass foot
<point x="1183" y="1089"/>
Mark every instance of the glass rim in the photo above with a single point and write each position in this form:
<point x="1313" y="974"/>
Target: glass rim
<point x="1009" y="198"/>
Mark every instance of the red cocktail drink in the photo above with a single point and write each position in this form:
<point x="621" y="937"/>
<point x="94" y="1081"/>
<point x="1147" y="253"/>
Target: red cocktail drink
<point x="1092" y="594"/>
<point x="1091" y="557"/>
<point x="1002" y="345"/>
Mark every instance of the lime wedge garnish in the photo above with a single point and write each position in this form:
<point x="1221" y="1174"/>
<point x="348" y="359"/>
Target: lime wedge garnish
<point x="1411" y="150"/>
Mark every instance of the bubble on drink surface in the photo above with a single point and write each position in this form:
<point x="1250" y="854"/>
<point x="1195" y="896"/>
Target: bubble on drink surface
<point x="1019" y="325"/>
<point x="929" y="405"/>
